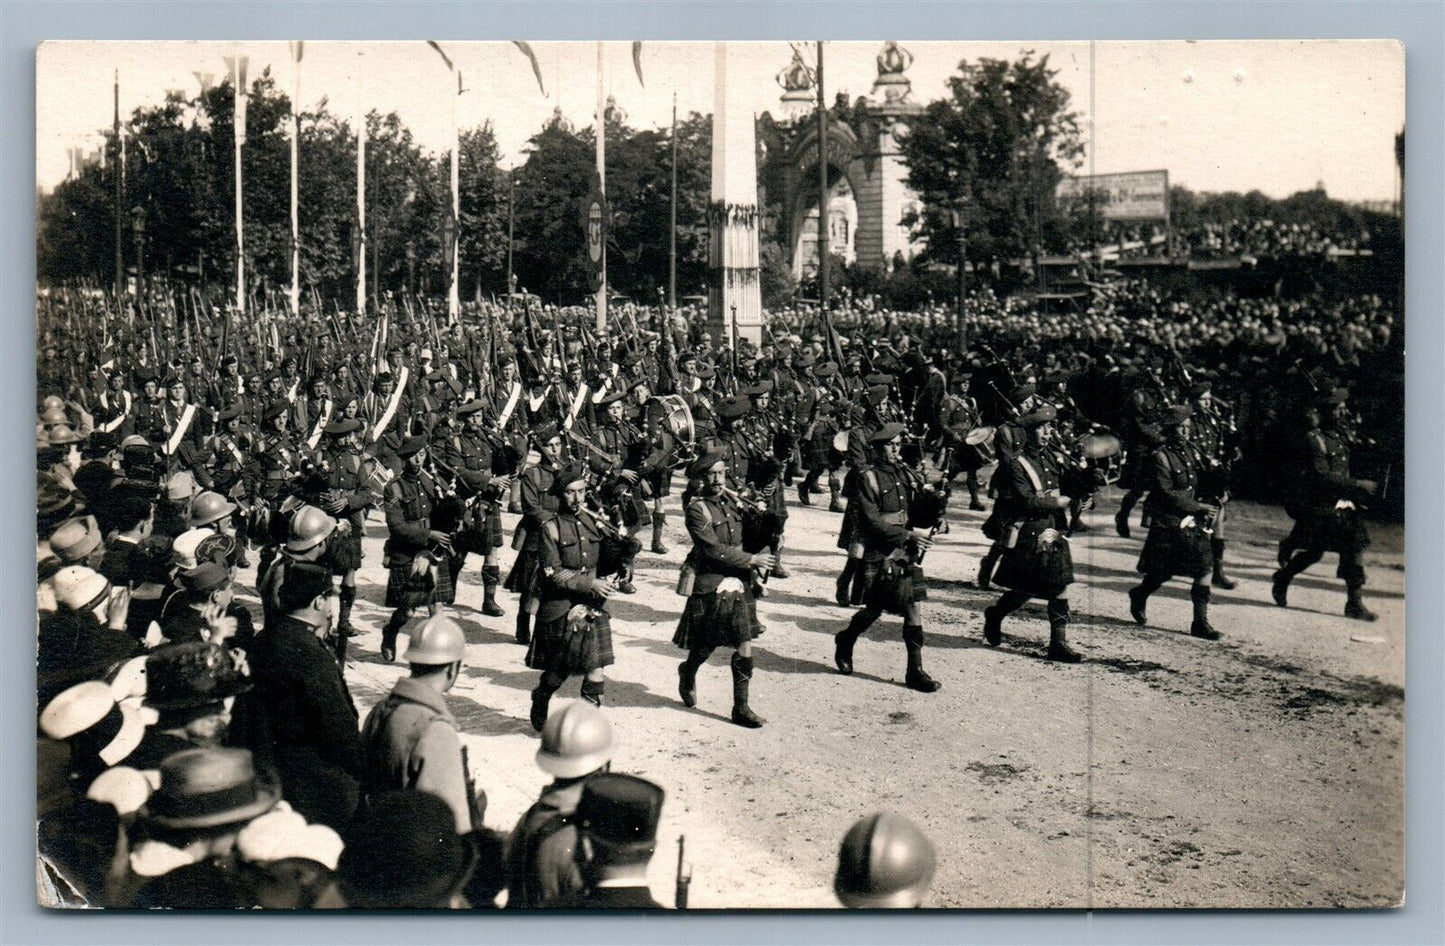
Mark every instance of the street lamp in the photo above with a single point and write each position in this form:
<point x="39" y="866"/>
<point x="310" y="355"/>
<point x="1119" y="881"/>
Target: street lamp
<point x="138" y="229"/>
<point x="959" y="212"/>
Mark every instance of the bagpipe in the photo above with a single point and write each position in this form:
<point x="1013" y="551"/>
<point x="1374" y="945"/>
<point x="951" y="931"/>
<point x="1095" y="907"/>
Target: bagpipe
<point x="759" y="527"/>
<point x="927" y="501"/>
<point x="462" y="512"/>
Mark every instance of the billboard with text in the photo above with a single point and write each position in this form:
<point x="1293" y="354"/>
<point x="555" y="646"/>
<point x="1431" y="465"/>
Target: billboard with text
<point x="1138" y="195"/>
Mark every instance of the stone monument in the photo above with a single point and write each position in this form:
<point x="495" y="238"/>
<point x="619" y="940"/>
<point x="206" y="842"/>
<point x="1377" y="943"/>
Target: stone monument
<point x="734" y="297"/>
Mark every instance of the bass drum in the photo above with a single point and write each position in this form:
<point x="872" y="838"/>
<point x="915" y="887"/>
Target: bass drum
<point x="676" y="425"/>
<point x="1103" y="454"/>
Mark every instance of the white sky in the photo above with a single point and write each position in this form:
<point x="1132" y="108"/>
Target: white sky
<point x="1278" y="116"/>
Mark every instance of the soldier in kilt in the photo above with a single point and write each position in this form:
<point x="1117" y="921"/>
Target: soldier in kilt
<point x="890" y="579"/>
<point x="1027" y="523"/>
<point x="573" y="636"/>
<point x="539" y="504"/>
<point x="348" y="495"/>
<point x="468" y="455"/>
<point x="721" y="609"/>
<point x="1010" y="439"/>
<point x="417" y="575"/>
<point x="820" y="424"/>
<point x="1326" y="517"/>
<point x="859" y="459"/>
<point x="1181" y="526"/>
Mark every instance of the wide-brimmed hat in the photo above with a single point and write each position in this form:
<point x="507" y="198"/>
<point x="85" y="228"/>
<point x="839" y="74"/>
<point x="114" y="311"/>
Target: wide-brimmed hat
<point x="209" y="787"/>
<point x="196" y="673"/>
<point x="88" y="718"/>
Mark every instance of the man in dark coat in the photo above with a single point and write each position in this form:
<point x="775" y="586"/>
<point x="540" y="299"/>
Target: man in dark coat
<point x="310" y="723"/>
<point x="617" y="827"/>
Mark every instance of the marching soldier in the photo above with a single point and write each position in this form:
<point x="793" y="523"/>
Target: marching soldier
<point x="1178" y="542"/>
<point x="765" y="467"/>
<point x="414" y="549"/>
<point x="859" y="457"/>
<point x="467" y="454"/>
<point x="539" y="504"/>
<point x="1142" y="438"/>
<point x="890" y="578"/>
<point x="1212" y="442"/>
<point x="277" y="458"/>
<point x="348" y="495"/>
<point x="1327" y="517"/>
<point x="573" y="636"/>
<point x="718" y="577"/>
<point x="1027" y="524"/>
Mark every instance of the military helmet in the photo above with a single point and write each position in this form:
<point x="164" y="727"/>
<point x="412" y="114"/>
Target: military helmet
<point x="52" y="402"/>
<point x="309" y="528"/>
<point x="439" y="641"/>
<point x="576" y="740"/>
<point x="53" y="416"/>
<point x="210" y="507"/>
<point x="885" y="862"/>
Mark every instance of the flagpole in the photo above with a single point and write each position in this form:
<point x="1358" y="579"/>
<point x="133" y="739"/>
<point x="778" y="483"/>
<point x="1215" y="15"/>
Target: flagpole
<point x="601" y="300"/>
<point x="822" y="188"/>
<point x="672" y="224"/>
<point x="511" y="230"/>
<point x="238" y="126"/>
<point x="453" y="292"/>
<point x="296" y="50"/>
<point x="360" y="193"/>
<point x="119" y="197"/>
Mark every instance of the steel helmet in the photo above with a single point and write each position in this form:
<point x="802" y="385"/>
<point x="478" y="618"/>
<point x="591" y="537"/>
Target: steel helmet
<point x="61" y="435"/>
<point x="437" y="642"/>
<point x="210" y="507"/>
<point x="54" y="415"/>
<point x="576" y="740"/>
<point x="885" y="862"/>
<point x="52" y="401"/>
<point x="309" y="528"/>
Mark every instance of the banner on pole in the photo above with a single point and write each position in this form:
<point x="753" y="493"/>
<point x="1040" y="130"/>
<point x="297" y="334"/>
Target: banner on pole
<point x="594" y="225"/>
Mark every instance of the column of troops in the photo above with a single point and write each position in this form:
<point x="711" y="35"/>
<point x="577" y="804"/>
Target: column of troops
<point x="156" y="486"/>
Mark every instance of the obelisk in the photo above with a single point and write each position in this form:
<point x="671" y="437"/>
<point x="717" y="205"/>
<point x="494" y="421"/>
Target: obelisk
<point x="734" y="297"/>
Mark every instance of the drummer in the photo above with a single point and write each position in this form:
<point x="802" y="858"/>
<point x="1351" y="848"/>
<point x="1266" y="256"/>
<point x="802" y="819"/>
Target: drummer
<point x="959" y="418"/>
<point x="650" y="414"/>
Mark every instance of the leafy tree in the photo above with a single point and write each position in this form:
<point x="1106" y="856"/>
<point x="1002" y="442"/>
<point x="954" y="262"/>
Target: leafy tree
<point x="997" y="142"/>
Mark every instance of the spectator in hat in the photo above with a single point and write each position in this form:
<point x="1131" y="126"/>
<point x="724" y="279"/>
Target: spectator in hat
<point x="617" y="834"/>
<point x="191" y="687"/>
<point x="304" y="718"/>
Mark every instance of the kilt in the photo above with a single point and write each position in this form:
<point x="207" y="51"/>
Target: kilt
<point x="889" y="586"/>
<point x="403" y="591"/>
<point x="526" y="572"/>
<point x="1331" y="530"/>
<point x="720" y="619"/>
<point x="1170" y="551"/>
<point x="481" y="531"/>
<point x="1037" y="572"/>
<point x="343" y="552"/>
<point x="817" y="452"/>
<point x="660" y="482"/>
<point x="848" y="530"/>
<point x="554" y="649"/>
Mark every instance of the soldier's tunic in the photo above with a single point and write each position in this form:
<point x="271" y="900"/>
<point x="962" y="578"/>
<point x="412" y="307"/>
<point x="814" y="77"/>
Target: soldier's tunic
<point x="408" y="503"/>
<point x="348" y="475"/>
<point x="470" y="455"/>
<point x="1324" y="523"/>
<point x="409" y="743"/>
<point x="571" y="547"/>
<point x="721" y="610"/>
<point x="1036" y="557"/>
<point x="1171" y="549"/>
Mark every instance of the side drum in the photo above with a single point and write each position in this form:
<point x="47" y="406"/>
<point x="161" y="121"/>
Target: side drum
<point x="977" y="451"/>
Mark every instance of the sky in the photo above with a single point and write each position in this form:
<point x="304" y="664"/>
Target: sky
<point x="1277" y="116"/>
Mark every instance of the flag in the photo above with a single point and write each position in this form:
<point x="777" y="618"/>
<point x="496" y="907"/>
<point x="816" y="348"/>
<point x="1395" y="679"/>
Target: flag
<point x="637" y="61"/>
<point x="445" y="58"/>
<point x="835" y="348"/>
<point x="526" y="49"/>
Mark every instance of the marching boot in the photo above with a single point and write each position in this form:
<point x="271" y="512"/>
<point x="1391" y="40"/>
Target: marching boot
<point x="917" y="678"/>
<point x="1121" y="524"/>
<point x="343" y="625"/>
<point x="844" y="640"/>
<point x="973" y="501"/>
<point x="1355" y="604"/>
<point x="592" y="691"/>
<point x="658" y="520"/>
<point x="993" y="615"/>
<point x="835" y="491"/>
<point x="542" y="698"/>
<point x="524" y="627"/>
<point x="1139" y="597"/>
<point x="742" y="674"/>
<point x="389" y="633"/>
<point x="491" y="576"/>
<point x="687" y="675"/>
<point x="1200" y="595"/>
<point x="1059" y="649"/>
<point x="843" y="592"/>
<point x="805" y="488"/>
<point x="779" y="571"/>
<point x="1221" y="580"/>
<point x="1279" y="587"/>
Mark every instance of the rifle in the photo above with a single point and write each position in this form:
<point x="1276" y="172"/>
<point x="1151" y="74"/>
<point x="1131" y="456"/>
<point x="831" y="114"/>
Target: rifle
<point x="476" y="799"/>
<point x="684" y="875"/>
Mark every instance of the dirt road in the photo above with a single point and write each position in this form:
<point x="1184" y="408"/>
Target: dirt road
<point x="1265" y="770"/>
